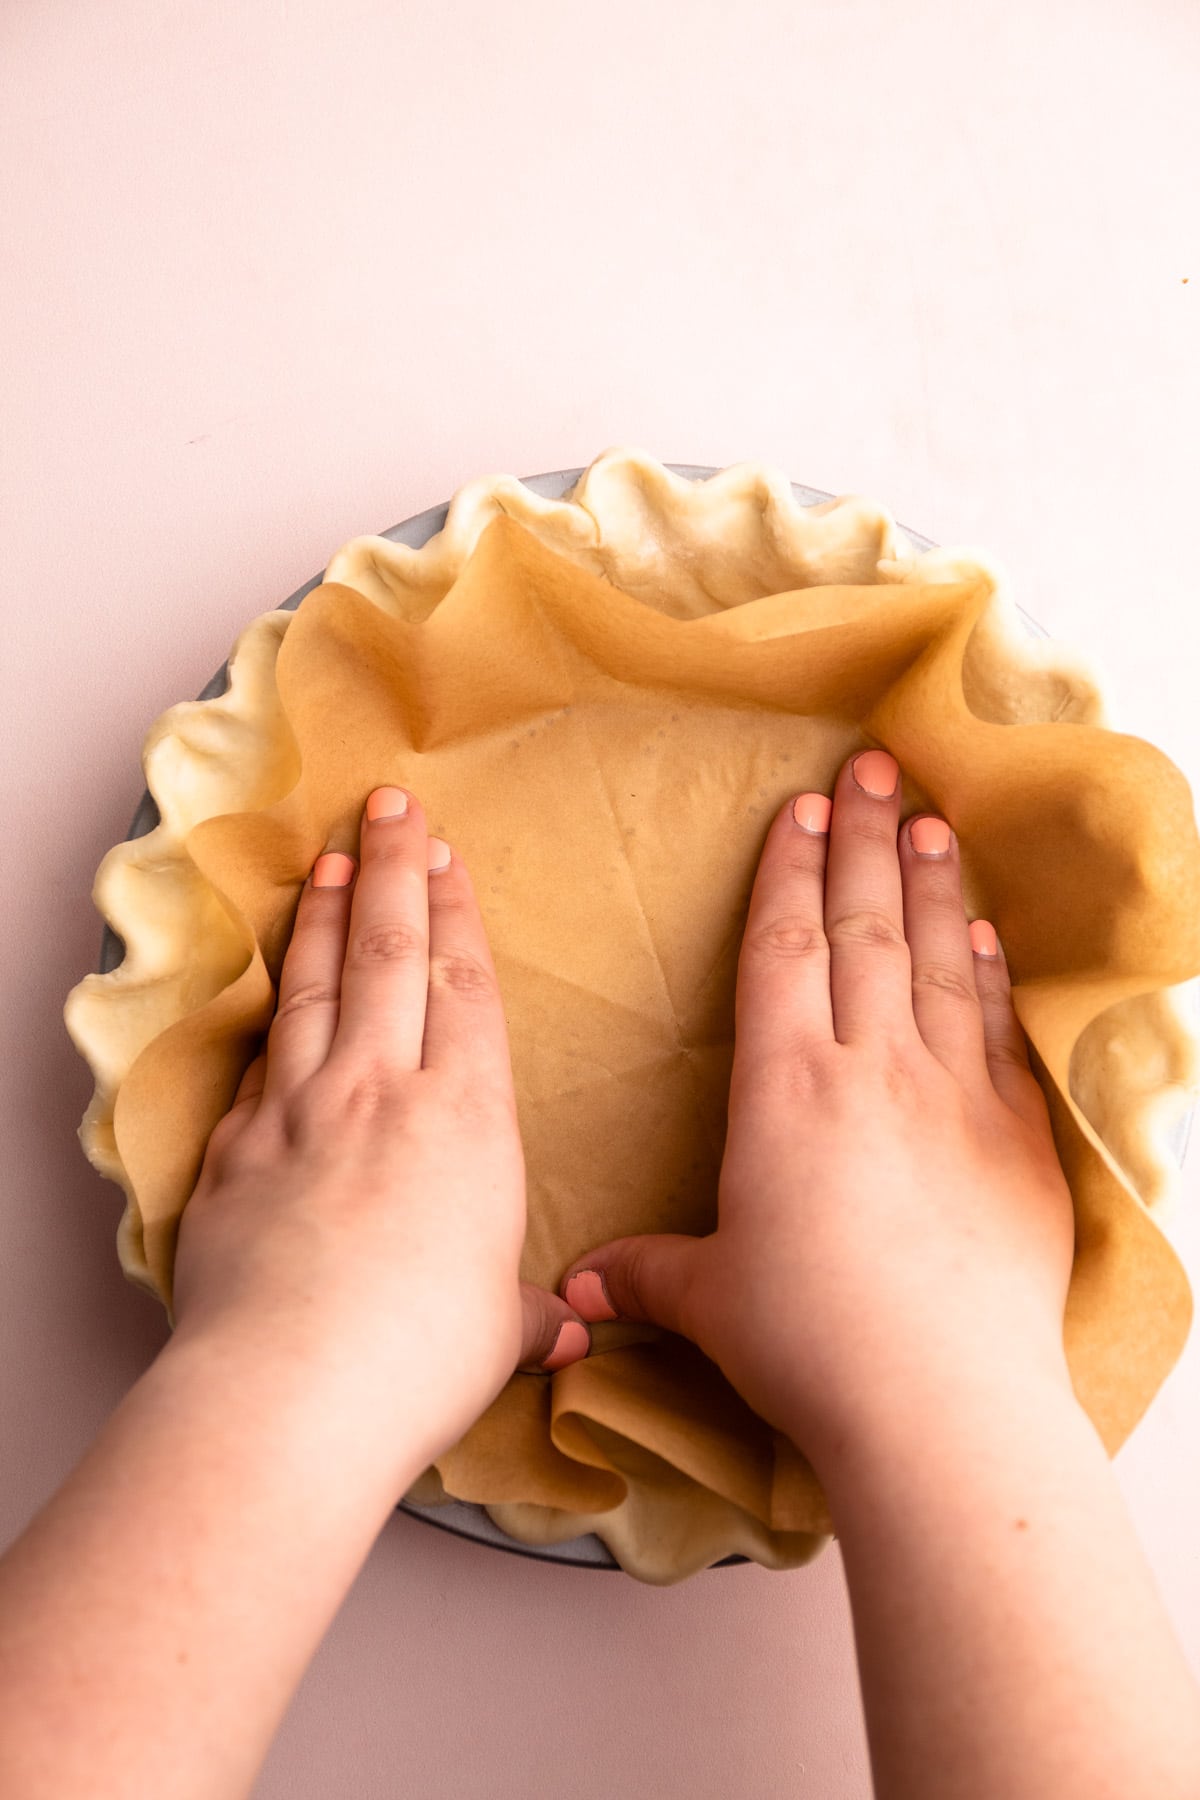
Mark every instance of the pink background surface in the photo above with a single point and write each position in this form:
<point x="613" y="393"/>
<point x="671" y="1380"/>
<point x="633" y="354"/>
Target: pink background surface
<point x="277" y="274"/>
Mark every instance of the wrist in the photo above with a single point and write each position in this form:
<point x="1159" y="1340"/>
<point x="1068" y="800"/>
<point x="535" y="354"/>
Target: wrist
<point x="895" y="1430"/>
<point x="308" y="1409"/>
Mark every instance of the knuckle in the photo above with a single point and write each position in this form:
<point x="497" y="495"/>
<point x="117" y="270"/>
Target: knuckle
<point x="450" y="893"/>
<point x="891" y="1072"/>
<point x="356" y="1096"/>
<point x="463" y="973"/>
<point x="803" y="1068"/>
<point x="801" y="856"/>
<point x="789" y="935"/>
<point x="369" y="1094"/>
<point x="871" y="824"/>
<point x="627" y="1280"/>
<point x="869" y="926"/>
<point x="467" y="1092"/>
<point x="395" y="942"/>
<point x="478" y="1107"/>
<point x="391" y="846"/>
<point x="995" y="995"/>
<point x="940" y="892"/>
<point x="999" y="1019"/>
<point x="308" y="993"/>
<point x="996" y="1007"/>
<point x="944" y="978"/>
<point x="1007" y="1052"/>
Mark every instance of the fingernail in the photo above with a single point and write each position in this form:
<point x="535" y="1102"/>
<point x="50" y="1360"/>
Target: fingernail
<point x="812" y="811"/>
<point x="585" y="1294"/>
<point x="929" y="837"/>
<point x="572" y="1343"/>
<point x="437" y="856"/>
<point x="387" y="803"/>
<point x="983" y="943"/>
<point x="876" y="773"/>
<point x="333" y="870"/>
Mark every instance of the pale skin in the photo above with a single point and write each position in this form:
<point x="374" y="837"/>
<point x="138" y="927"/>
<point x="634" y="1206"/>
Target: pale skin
<point x="885" y="1285"/>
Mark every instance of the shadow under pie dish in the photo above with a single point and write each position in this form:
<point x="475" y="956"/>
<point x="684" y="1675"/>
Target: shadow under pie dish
<point x="602" y="701"/>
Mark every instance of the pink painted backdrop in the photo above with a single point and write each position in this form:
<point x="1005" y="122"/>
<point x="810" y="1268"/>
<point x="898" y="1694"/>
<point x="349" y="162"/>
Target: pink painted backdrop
<point x="277" y="273"/>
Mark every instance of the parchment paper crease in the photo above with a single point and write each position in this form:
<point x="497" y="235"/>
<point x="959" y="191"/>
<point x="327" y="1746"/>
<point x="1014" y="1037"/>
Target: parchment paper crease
<point x="602" y="701"/>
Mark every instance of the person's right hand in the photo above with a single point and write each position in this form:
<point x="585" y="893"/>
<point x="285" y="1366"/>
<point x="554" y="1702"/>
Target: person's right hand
<point x="893" y="1219"/>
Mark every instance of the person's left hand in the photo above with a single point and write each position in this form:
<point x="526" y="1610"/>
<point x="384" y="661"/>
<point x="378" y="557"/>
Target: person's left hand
<point x="362" y="1204"/>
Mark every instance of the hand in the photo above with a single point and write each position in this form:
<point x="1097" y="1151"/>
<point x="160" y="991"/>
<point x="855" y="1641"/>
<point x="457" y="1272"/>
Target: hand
<point x="363" y="1201"/>
<point x="893" y="1219"/>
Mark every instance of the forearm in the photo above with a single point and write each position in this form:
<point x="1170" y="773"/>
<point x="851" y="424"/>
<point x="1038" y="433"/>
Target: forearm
<point x="1010" y="1638"/>
<point x="157" y="1616"/>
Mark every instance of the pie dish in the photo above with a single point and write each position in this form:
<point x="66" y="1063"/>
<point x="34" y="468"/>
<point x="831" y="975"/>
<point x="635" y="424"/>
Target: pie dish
<point x="660" y="662"/>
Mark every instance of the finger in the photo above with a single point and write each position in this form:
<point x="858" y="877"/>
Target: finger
<point x="464" y="1014"/>
<point x="945" y="1000"/>
<point x="782" y="1002"/>
<point x="251" y="1085"/>
<point x="385" y="976"/>
<point x="870" y="973"/>
<point x="306" y="1010"/>
<point x="641" y="1278"/>
<point x="552" y="1334"/>
<point x="1004" y="1041"/>
<point x="242" y="1108"/>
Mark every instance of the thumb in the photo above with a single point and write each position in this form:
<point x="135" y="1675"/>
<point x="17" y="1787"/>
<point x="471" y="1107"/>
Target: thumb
<point x="648" y="1279"/>
<point x="552" y="1334"/>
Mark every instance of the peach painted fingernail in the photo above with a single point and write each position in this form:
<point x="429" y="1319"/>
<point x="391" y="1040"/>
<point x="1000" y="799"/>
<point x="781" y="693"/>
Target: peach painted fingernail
<point x="333" y="870"/>
<point x="929" y="837"/>
<point x="983" y="943"/>
<point x="876" y="773"/>
<point x="812" y="811"/>
<point x="571" y="1345"/>
<point x="437" y="856"/>
<point x="387" y="803"/>
<point x="585" y="1294"/>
